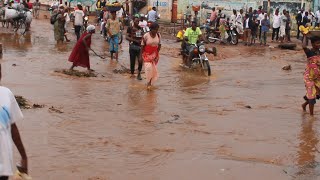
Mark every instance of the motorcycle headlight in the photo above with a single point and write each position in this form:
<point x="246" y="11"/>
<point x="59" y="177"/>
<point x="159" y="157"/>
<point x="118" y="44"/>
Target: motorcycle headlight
<point x="202" y="49"/>
<point x="86" y="18"/>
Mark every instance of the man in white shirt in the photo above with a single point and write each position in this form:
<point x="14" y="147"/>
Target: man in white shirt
<point x="283" y="22"/>
<point x="239" y="22"/>
<point x="143" y="24"/>
<point x="78" y="20"/>
<point x="120" y="13"/>
<point x="152" y="15"/>
<point x="318" y="17"/>
<point x="10" y="113"/>
<point x="276" y="25"/>
<point x="233" y="17"/>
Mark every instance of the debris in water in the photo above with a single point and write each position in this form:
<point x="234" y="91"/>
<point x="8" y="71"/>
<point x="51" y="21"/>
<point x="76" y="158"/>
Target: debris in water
<point x="77" y="73"/>
<point x="121" y="70"/>
<point x="290" y="46"/>
<point x="37" y="105"/>
<point x="249" y="107"/>
<point x="23" y="103"/>
<point x="53" y="109"/>
<point x="172" y="119"/>
<point x="286" y="68"/>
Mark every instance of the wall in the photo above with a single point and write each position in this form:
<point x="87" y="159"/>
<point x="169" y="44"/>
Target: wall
<point x="164" y="8"/>
<point x="316" y="4"/>
<point x="228" y="5"/>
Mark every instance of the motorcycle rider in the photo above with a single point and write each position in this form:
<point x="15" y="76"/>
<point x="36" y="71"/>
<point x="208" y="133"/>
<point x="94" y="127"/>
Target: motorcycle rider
<point x="191" y="37"/>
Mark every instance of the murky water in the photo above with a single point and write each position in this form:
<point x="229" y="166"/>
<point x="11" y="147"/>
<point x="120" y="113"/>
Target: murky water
<point x="189" y="127"/>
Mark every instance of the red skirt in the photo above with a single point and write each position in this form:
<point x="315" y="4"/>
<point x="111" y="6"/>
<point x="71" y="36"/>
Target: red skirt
<point x="80" y="55"/>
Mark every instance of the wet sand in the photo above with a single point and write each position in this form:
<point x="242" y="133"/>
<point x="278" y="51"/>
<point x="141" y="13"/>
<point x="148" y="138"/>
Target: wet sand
<point x="189" y="127"/>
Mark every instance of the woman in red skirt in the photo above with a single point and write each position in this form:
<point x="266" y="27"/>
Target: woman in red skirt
<point x="80" y="53"/>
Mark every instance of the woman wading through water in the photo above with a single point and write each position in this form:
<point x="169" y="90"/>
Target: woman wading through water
<point x="312" y="73"/>
<point x="80" y="53"/>
<point x="150" y="47"/>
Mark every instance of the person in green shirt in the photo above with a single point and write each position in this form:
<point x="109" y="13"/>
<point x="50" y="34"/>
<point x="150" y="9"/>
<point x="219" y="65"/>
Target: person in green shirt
<point x="191" y="37"/>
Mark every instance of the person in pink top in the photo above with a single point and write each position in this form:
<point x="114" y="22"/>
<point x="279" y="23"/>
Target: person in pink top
<point x="213" y="16"/>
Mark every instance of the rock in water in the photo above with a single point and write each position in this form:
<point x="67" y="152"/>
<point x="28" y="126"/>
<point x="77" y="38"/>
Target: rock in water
<point x="22" y="102"/>
<point x="286" y="68"/>
<point x="77" y="73"/>
<point x="290" y="46"/>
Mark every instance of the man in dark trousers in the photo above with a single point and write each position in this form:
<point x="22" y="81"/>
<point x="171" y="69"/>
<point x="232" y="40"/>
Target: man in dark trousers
<point x="299" y="22"/>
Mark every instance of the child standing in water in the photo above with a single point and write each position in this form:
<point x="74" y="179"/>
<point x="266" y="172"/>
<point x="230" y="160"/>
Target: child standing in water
<point x="312" y="73"/>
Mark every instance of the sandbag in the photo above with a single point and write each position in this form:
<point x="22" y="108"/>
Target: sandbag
<point x="29" y="17"/>
<point x="10" y="14"/>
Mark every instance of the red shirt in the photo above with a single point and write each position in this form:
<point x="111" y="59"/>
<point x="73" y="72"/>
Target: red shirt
<point x="30" y="5"/>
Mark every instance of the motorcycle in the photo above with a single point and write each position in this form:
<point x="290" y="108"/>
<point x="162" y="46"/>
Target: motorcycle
<point x="199" y="59"/>
<point x="213" y="34"/>
<point x="85" y="23"/>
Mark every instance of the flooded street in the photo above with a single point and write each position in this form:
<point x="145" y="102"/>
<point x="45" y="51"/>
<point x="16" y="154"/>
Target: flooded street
<point x="189" y="127"/>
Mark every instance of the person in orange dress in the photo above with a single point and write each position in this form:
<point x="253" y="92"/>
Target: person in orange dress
<point x="150" y="46"/>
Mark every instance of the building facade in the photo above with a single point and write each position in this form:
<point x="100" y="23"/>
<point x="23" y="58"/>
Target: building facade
<point x="170" y="10"/>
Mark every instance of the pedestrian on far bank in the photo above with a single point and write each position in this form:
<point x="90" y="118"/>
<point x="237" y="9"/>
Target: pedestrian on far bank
<point x="247" y="30"/>
<point x="98" y="8"/>
<point x="10" y="113"/>
<point x="276" y="25"/>
<point x="152" y="15"/>
<point x="233" y="17"/>
<point x="213" y="17"/>
<point x="317" y="17"/>
<point x="254" y="30"/>
<point x="150" y="47"/>
<point x="283" y="23"/>
<point x="113" y="28"/>
<point x="305" y="19"/>
<point x="265" y="26"/>
<point x="260" y="18"/>
<point x="299" y="22"/>
<point x="134" y="36"/>
<point x="78" y="20"/>
<point x="59" y="26"/>
<point x="187" y="12"/>
<point x="288" y="27"/>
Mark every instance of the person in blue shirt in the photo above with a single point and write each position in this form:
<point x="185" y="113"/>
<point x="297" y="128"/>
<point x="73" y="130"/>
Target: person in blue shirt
<point x="265" y="26"/>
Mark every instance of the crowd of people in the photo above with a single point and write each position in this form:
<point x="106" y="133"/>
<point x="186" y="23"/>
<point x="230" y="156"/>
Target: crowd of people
<point x="255" y="24"/>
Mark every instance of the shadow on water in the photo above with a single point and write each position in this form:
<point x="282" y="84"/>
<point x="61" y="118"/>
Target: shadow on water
<point x="16" y="41"/>
<point x="307" y="166"/>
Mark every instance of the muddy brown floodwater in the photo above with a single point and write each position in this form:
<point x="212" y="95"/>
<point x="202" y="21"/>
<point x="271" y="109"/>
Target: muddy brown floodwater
<point x="190" y="127"/>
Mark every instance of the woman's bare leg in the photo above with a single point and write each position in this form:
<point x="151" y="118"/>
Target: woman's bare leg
<point x="311" y="107"/>
<point x="304" y="106"/>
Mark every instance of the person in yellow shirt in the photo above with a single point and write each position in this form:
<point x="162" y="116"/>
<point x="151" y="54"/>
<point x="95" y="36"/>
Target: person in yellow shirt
<point x="180" y="34"/>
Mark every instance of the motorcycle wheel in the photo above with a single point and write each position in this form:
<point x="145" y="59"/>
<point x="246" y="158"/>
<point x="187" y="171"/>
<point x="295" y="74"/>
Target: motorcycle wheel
<point x="234" y="39"/>
<point x="207" y="67"/>
<point x="211" y="34"/>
